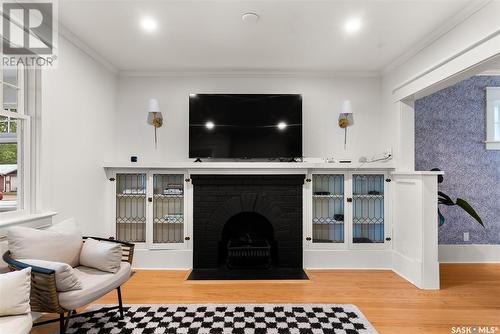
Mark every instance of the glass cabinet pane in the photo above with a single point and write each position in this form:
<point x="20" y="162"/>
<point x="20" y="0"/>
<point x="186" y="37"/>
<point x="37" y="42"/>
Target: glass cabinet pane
<point x="328" y="208"/>
<point x="131" y="207"/>
<point x="168" y="208"/>
<point x="368" y="208"/>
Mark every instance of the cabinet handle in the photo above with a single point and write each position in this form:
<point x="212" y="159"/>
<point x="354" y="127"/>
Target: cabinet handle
<point x="187" y="238"/>
<point x="388" y="239"/>
<point x="388" y="180"/>
<point x="187" y="180"/>
<point x="308" y="180"/>
<point x="112" y="179"/>
<point x="349" y="199"/>
<point x="150" y="199"/>
<point x="308" y="238"/>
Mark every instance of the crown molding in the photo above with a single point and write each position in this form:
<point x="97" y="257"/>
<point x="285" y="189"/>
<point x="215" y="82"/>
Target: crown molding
<point x="489" y="73"/>
<point x="236" y="73"/>
<point x="449" y="25"/>
<point x="472" y="70"/>
<point x="85" y="48"/>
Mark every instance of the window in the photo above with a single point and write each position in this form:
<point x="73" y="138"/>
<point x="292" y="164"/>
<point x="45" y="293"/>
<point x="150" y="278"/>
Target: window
<point x="14" y="142"/>
<point x="493" y="118"/>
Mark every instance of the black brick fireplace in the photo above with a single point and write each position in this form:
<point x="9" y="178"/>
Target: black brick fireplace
<point x="259" y="216"/>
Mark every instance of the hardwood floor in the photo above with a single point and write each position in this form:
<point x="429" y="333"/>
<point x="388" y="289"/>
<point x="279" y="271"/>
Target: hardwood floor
<point x="469" y="295"/>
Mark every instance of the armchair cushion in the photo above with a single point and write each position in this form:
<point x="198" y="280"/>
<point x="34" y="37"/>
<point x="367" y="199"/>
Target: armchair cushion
<point x="15" y="290"/>
<point x="20" y="324"/>
<point x="66" y="278"/>
<point x="102" y="255"/>
<point x="31" y="243"/>
<point x="95" y="284"/>
<point x="68" y="226"/>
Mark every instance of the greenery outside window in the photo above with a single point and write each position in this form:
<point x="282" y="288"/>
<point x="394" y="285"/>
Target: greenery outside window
<point x="14" y="143"/>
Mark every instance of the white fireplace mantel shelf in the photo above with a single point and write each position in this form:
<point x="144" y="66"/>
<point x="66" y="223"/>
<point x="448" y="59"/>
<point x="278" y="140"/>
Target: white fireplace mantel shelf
<point x="252" y="165"/>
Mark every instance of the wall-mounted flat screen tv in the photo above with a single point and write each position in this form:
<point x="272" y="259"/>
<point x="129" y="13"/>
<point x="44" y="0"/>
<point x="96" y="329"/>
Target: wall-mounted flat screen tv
<point x="245" y="126"/>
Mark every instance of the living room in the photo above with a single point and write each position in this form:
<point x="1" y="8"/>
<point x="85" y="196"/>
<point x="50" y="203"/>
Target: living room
<point x="239" y="156"/>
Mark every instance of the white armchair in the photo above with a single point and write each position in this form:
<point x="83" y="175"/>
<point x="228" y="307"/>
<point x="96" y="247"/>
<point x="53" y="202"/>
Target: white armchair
<point x="95" y="283"/>
<point x="15" y="315"/>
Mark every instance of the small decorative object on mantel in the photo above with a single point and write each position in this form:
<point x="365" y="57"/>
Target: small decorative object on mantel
<point x="155" y="117"/>
<point x="346" y="119"/>
<point x="444" y="199"/>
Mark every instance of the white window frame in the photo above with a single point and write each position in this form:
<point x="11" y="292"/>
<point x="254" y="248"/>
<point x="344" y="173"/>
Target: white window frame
<point x="24" y="173"/>
<point x="492" y="95"/>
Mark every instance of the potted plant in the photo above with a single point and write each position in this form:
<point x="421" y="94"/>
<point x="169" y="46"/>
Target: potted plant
<point x="444" y="199"/>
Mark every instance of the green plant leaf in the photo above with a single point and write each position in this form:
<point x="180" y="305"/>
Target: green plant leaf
<point x="468" y="208"/>
<point x="445" y="199"/>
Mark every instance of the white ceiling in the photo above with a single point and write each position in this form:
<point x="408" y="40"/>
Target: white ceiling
<point x="291" y="35"/>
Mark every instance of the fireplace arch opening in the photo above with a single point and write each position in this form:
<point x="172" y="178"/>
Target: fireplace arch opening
<point x="247" y="241"/>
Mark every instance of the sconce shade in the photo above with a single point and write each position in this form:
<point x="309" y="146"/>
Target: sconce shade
<point x="155" y="118"/>
<point x="346" y="119"/>
<point x="346" y="107"/>
<point x="154" y="115"/>
<point x="154" y="106"/>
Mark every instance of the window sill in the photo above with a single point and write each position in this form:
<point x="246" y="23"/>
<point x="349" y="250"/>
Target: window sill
<point x="492" y="145"/>
<point x="37" y="220"/>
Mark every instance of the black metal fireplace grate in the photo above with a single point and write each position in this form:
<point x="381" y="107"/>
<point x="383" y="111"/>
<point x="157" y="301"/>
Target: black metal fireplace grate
<point x="248" y="252"/>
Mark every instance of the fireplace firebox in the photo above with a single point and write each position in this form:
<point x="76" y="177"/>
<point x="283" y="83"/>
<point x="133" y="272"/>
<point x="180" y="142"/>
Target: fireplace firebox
<point x="247" y="241"/>
<point x="247" y="222"/>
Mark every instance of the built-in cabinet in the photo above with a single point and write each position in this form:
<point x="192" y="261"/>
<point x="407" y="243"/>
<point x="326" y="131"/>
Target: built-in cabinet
<point x="151" y="208"/>
<point x="348" y="215"/>
<point x="347" y="210"/>
<point x="342" y="209"/>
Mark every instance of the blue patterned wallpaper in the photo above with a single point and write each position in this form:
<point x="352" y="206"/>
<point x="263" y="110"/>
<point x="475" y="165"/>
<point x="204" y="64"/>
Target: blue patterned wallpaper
<point x="449" y="135"/>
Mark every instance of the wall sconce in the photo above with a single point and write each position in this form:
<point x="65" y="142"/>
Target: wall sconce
<point x="346" y="119"/>
<point x="155" y="117"/>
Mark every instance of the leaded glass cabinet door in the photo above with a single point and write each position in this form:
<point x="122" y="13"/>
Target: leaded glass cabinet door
<point x="168" y="217"/>
<point x="328" y="209"/>
<point x="368" y="209"/>
<point x="130" y="216"/>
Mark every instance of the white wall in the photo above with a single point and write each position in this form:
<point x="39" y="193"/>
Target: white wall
<point x="78" y="106"/>
<point x="322" y="98"/>
<point x="448" y="56"/>
<point x="453" y="55"/>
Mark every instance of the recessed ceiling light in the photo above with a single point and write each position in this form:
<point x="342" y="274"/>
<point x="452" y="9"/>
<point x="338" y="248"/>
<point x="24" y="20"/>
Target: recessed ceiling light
<point x="353" y="25"/>
<point x="250" y="17"/>
<point x="148" y="24"/>
<point x="282" y="125"/>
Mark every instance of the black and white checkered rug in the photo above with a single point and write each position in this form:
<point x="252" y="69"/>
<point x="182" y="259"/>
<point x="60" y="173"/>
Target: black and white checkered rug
<point x="227" y="318"/>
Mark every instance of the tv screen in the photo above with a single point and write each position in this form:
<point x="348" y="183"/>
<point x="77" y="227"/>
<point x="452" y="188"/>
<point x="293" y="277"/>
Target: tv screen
<point x="250" y="126"/>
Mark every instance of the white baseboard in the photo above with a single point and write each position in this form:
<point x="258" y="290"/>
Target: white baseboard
<point x="469" y="253"/>
<point x="163" y="259"/>
<point x="347" y="259"/>
<point x="423" y="276"/>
